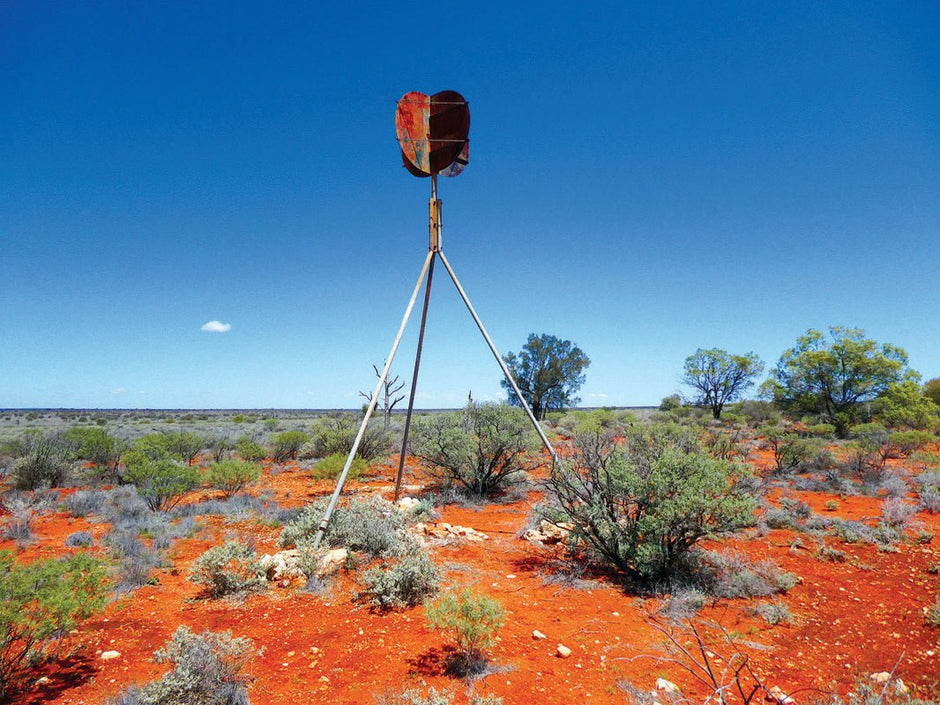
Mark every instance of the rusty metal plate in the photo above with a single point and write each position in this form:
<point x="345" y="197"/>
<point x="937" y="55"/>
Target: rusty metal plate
<point x="433" y="132"/>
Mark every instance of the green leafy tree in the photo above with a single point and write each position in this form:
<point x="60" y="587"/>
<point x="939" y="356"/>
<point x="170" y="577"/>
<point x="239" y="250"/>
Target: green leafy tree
<point x="904" y="405"/>
<point x="482" y="449"/>
<point x="39" y="602"/>
<point x="45" y="460"/>
<point x="641" y="505"/>
<point x="719" y="377"/>
<point x="185" y="446"/>
<point x="932" y="390"/>
<point x="834" y="378"/>
<point x="249" y="449"/>
<point x="549" y="372"/>
<point x="97" y="446"/>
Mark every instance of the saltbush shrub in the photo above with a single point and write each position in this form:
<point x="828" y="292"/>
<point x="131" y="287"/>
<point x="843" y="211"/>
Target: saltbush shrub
<point x="79" y="538"/>
<point x="472" y="619"/>
<point x="39" y="602"/>
<point x="336" y="434"/>
<point x="641" y="505"/>
<point x="45" y="461"/>
<point x="232" y="476"/>
<point x="373" y="526"/>
<point x="208" y="669"/>
<point x="229" y="569"/>
<point x="81" y="503"/>
<point x="249" y="450"/>
<point x="408" y="581"/>
<point x="482" y="450"/>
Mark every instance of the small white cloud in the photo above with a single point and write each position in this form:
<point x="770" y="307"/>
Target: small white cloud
<point x="598" y="396"/>
<point x="119" y="390"/>
<point x="216" y="327"/>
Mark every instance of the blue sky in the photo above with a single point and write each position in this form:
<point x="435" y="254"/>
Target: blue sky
<point x="645" y="179"/>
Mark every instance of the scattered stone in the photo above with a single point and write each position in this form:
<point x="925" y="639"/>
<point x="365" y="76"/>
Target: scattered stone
<point x="900" y="687"/>
<point x="42" y="680"/>
<point x="666" y="686"/>
<point x="548" y="533"/>
<point x="776" y="694"/>
<point x="284" y="567"/>
<point x="536" y="634"/>
<point x="563" y="651"/>
<point x="407" y="504"/>
<point x="108" y="655"/>
<point x="880" y="677"/>
<point x="443" y="530"/>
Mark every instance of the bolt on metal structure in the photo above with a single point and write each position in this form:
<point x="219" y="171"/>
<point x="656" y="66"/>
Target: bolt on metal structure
<point x="428" y="153"/>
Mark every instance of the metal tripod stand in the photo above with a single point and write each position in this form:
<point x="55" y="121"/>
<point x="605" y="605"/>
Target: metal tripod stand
<point x="434" y="251"/>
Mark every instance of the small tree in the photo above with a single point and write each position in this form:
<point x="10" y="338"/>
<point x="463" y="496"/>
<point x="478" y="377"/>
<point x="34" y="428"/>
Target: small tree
<point x="932" y="390"/>
<point x="45" y="461"/>
<point x="720" y="377"/>
<point x="834" y="379"/>
<point x="642" y="505"/>
<point x="40" y="602"/>
<point x="549" y="372"/>
<point x="390" y="395"/>
<point x="482" y="449"/>
<point x="97" y="446"/>
<point x="905" y="405"/>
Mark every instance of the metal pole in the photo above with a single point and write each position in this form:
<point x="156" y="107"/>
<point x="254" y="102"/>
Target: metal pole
<point x="375" y="397"/>
<point x="414" y="382"/>
<point x="502" y="365"/>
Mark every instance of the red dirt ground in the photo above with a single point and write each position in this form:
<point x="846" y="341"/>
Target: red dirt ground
<point x="851" y="618"/>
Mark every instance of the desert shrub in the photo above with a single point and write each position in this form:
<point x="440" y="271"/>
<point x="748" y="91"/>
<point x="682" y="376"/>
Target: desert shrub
<point x="38" y="603"/>
<point x="790" y="452"/>
<point x="18" y="527"/>
<point x="831" y="555"/>
<point x="642" y="505"/>
<point x="162" y="483"/>
<point x="897" y="512"/>
<point x="373" y="526"/>
<point x="433" y="697"/>
<point x="482" y="450"/>
<point x="403" y="583"/>
<point x="332" y="466"/>
<point x="853" y="531"/>
<point x="336" y="434"/>
<point x="249" y="450"/>
<point x="472" y="620"/>
<point x="231" y="476"/>
<point x="207" y="670"/>
<point x="97" y="446"/>
<point x="930" y="499"/>
<point x="149" y="447"/>
<point x="821" y="430"/>
<point x="45" y="461"/>
<point x="932" y="613"/>
<point x="668" y="403"/>
<point x="774" y="613"/>
<point x="184" y="446"/>
<point x="228" y="570"/>
<point x="733" y="575"/>
<point x="286" y="445"/>
<point x="79" y="538"/>
<point x="906" y="442"/>
<point x="84" y="502"/>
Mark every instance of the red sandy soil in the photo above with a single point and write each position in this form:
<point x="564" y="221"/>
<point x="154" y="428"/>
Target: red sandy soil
<point x="850" y="619"/>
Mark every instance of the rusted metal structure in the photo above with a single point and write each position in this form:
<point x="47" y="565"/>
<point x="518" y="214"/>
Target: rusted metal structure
<point x="434" y="135"/>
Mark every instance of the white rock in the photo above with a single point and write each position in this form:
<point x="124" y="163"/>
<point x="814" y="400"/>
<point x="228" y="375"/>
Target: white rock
<point x="776" y="694"/>
<point x="900" y="687"/>
<point x="407" y="504"/>
<point x="563" y="651"/>
<point x="668" y="686"/>
<point x="536" y="634"/>
<point x="880" y="677"/>
<point x="108" y="655"/>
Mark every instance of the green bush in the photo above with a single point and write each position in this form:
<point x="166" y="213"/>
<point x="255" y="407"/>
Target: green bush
<point x="472" y="619"/>
<point x="483" y="450"/>
<point x="642" y="505"/>
<point x="821" y="430"/>
<point x="231" y="476"/>
<point x="162" y="483"/>
<point x="907" y="442"/>
<point x="406" y="582"/>
<point x="96" y="446"/>
<point x="286" y="445"/>
<point x="45" y="461"/>
<point x="228" y="570"/>
<point x="249" y="450"/>
<point x="332" y="466"/>
<point x="207" y="670"/>
<point x="39" y="602"/>
<point x="336" y="435"/>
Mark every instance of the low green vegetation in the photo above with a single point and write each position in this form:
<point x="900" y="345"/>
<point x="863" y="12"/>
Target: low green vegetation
<point x="471" y="619"/>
